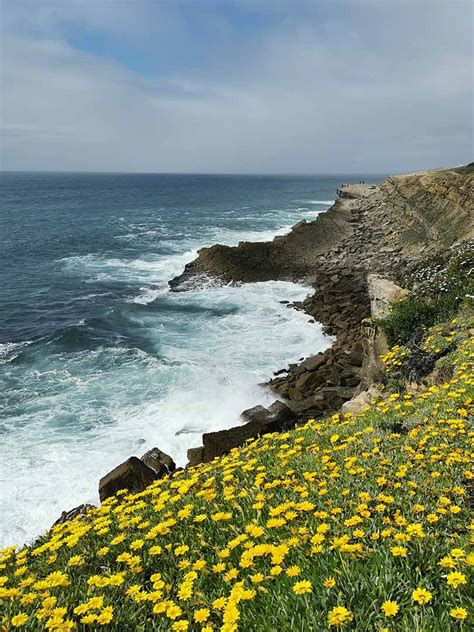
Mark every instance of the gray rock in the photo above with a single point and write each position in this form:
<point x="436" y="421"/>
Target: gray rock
<point x="280" y="412"/>
<point x="77" y="512"/>
<point x="314" y="362"/>
<point x="257" y="414"/>
<point x="132" y="475"/>
<point x="155" y="458"/>
<point x="195" y="456"/>
<point x="308" y="380"/>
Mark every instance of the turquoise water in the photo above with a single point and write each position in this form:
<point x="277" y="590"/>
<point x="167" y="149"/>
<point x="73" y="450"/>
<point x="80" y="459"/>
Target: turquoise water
<point x="98" y="360"/>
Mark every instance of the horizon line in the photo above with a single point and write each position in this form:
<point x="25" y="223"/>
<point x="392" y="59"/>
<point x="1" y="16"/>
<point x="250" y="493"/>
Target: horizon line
<point x="197" y="173"/>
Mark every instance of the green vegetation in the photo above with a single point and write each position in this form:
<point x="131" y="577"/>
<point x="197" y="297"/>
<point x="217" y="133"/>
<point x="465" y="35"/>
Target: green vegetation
<point x="437" y="292"/>
<point x="465" y="170"/>
<point x="358" y="523"/>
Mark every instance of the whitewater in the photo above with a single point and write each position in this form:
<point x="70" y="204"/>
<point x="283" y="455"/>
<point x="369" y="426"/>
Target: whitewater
<point x="98" y="359"/>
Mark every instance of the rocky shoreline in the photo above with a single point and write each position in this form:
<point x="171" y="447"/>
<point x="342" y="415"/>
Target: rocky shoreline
<point x="354" y="255"/>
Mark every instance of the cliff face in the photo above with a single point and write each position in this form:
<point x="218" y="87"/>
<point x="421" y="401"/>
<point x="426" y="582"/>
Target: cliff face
<point x="375" y="228"/>
<point x="429" y="211"/>
<point x="384" y="231"/>
<point x="291" y="256"/>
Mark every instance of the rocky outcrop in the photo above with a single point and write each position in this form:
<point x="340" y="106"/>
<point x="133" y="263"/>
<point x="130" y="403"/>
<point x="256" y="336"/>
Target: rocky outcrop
<point x="353" y="255"/>
<point x="381" y="229"/>
<point x="434" y="209"/>
<point x="382" y="294"/>
<point x="77" y="512"/>
<point x="159" y="461"/>
<point x="133" y="475"/>
<point x="259" y="421"/>
<point x="292" y="256"/>
<point x="361" y="401"/>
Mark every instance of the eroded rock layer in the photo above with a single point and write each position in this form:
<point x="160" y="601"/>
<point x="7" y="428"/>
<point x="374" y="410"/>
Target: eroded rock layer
<point x="383" y="231"/>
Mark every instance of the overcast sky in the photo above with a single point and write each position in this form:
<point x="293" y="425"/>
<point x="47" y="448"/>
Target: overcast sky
<point x="236" y="86"/>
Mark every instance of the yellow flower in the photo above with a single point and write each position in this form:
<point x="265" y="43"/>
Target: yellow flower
<point x="257" y="578"/>
<point x="202" y="615"/>
<point x="155" y="550"/>
<point x="180" y="625"/>
<point x="181" y="550"/>
<point x="75" y="560"/>
<point x="421" y="596"/>
<point x="398" y="551"/>
<point x="19" y="619"/>
<point x="447" y="562"/>
<point x="300" y="588"/>
<point x="390" y="608"/>
<point x="231" y="613"/>
<point x="456" y="578"/>
<point x="103" y="551"/>
<point x="293" y="571"/>
<point x="458" y="613"/>
<point x="105" y="616"/>
<point x="219" y="603"/>
<point x="57" y="578"/>
<point x="339" y="616"/>
<point x="329" y="582"/>
<point x="173" y="611"/>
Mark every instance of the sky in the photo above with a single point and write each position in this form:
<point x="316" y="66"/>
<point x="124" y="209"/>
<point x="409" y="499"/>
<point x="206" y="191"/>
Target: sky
<point x="236" y="86"/>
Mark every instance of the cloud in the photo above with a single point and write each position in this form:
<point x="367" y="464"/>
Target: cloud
<point x="283" y="87"/>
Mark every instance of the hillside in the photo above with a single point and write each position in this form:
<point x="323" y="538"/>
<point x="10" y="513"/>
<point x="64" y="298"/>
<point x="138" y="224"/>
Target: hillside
<point x="358" y="522"/>
<point x="354" y="511"/>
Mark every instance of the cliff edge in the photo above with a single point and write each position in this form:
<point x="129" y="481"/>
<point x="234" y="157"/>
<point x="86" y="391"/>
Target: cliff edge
<point x="375" y="228"/>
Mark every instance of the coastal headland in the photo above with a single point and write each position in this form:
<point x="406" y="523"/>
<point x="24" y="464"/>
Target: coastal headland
<point x="355" y="256"/>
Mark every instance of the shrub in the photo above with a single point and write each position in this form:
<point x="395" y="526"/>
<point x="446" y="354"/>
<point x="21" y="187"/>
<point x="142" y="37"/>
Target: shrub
<point x="407" y="320"/>
<point x="438" y="289"/>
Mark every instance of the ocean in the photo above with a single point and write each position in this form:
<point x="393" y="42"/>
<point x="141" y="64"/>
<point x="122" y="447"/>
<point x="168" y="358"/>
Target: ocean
<point x="98" y="359"/>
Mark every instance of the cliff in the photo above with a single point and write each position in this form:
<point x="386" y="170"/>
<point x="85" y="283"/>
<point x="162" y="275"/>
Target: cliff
<point x="380" y="232"/>
<point x="375" y="228"/>
<point x="359" y="518"/>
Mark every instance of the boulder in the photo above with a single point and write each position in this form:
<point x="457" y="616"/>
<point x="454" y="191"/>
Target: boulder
<point x="356" y="354"/>
<point x="262" y="421"/>
<point x="335" y="396"/>
<point x="308" y="380"/>
<point x="383" y="293"/>
<point x="77" y="512"/>
<point x="223" y="441"/>
<point x="294" y="394"/>
<point x="357" y="404"/>
<point x="155" y="459"/>
<point x="280" y="413"/>
<point x="303" y="405"/>
<point x="195" y="456"/>
<point x="310" y="364"/>
<point x="132" y="475"/>
<point x="257" y="414"/>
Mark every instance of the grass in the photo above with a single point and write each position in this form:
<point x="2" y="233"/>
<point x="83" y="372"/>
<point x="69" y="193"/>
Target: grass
<point x="339" y="524"/>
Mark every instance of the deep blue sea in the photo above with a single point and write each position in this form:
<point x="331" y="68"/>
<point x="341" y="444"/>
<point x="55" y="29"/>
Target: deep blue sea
<point x="98" y="360"/>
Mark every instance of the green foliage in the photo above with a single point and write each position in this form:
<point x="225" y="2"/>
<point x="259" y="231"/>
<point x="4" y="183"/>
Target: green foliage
<point x="438" y="290"/>
<point x="407" y="319"/>
<point x="348" y="523"/>
<point x="466" y="169"/>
